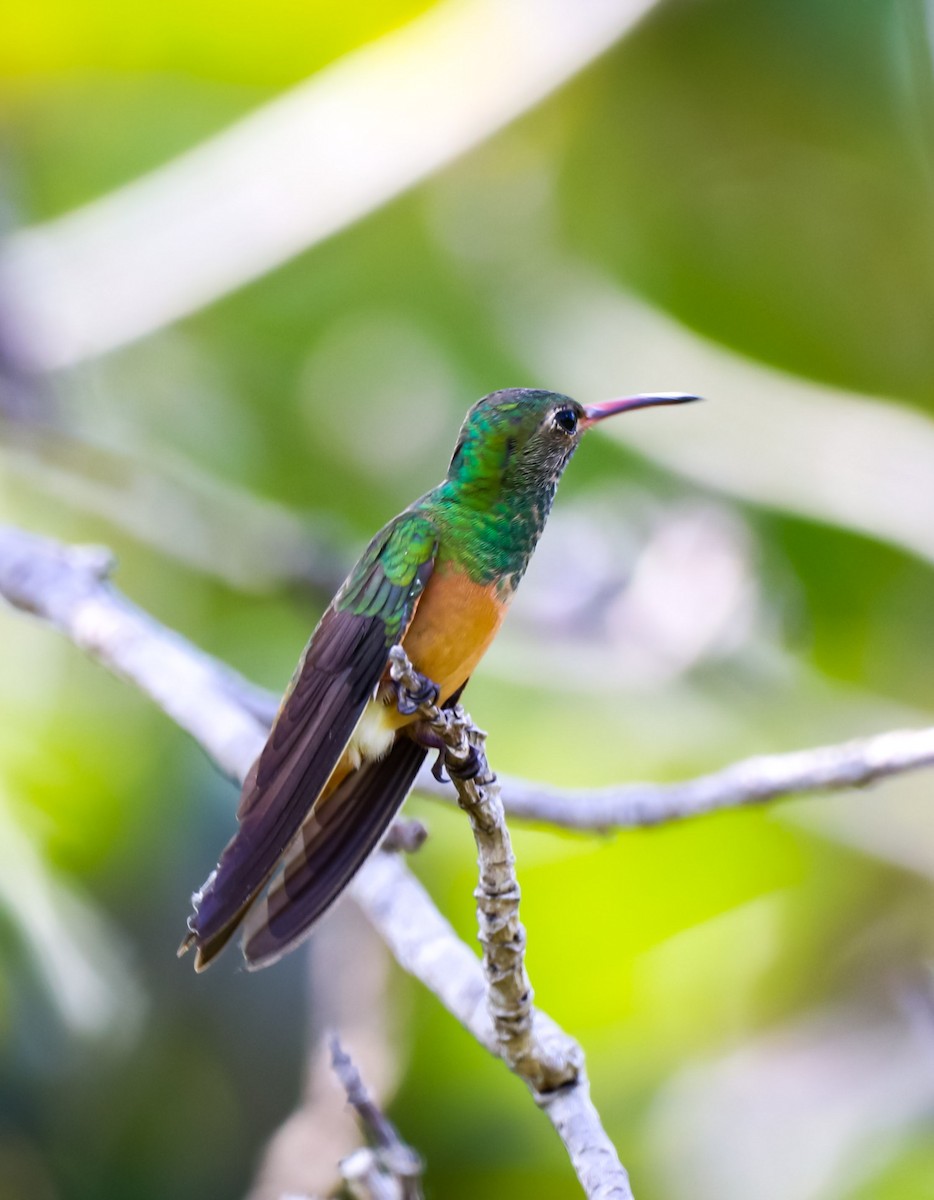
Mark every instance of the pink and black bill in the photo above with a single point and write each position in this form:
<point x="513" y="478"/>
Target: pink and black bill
<point x="609" y="408"/>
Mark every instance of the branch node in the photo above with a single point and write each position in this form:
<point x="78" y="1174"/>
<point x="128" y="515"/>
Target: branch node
<point x="501" y="934"/>
<point x="97" y="561"/>
<point x="405" y="836"/>
<point x="388" y="1158"/>
<point x="228" y="717"/>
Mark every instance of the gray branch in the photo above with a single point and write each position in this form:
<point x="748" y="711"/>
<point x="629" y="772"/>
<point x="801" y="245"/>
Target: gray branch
<point x="766" y="777"/>
<point x="387" y="1169"/>
<point x="545" y="1065"/>
<point x="347" y="984"/>
<point x="425" y="945"/>
<point x="752" y="781"/>
<point x="68" y="588"/>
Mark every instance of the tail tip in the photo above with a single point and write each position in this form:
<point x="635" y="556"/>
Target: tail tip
<point x="202" y="961"/>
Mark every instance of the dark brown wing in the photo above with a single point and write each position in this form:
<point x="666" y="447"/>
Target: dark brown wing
<point x="338" y="674"/>
<point x="333" y="844"/>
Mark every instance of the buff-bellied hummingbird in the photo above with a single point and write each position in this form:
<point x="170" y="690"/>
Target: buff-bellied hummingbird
<point x="341" y="755"/>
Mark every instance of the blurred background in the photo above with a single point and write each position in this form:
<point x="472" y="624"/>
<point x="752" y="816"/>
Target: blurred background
<point x="254" y="265"/>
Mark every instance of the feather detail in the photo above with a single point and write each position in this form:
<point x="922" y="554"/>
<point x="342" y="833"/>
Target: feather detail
<point x="331" y="847"/>
<point x="333" y="844"/>
<point x="337" y="676"/>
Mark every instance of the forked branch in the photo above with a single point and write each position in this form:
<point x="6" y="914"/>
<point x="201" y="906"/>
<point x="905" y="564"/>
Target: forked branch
<point x="68" y="587"/>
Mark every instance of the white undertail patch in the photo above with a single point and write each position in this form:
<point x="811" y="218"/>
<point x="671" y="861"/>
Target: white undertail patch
<point x="373" y="736"/>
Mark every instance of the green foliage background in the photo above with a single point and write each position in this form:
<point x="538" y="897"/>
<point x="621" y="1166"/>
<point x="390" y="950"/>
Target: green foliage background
<point x="760" y="171"/>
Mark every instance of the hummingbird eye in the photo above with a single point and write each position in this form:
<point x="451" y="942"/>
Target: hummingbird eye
<point x="566" y="419"/>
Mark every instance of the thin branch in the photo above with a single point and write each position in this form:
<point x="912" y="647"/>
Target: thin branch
<point x="752" y="781"/>
<point x="67" y="587"/>
<point x="857" y="763"/>
<point x="347" y="973"/>
<point x="390" y="1167"/>
<point x="544" y="1066"/>
<point x="250" y="542"/>
<point x="405" y="836"/>
<point x="425" y="945"/>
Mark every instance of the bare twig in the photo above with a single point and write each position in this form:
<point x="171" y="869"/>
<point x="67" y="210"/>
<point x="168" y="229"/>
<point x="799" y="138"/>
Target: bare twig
<point x="97" y="618"/>
<point x="67" y="587"/>
<point x="347" y="986"/>
<point x="857" y="763"/>
<point x="751" y="781"/>
<point x="544" y="1066"/>
<point x="405" y="835"/>
<point x="389" y="1167"/>
<point x="26" y="561"/>
<point x="176" y="507"/>
<point x="425" y="945"/>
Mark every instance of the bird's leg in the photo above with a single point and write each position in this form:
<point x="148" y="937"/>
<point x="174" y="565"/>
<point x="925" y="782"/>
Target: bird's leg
<point x="471" y="767"/>
<point x="425" y="735"/>
<point x="414" y="693"/>
<point x="409" y="700"/>
<point x="422" y="733"/>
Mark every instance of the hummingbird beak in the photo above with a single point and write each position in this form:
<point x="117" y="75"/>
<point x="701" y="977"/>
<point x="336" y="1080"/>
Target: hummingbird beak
<point x="596" y="412"/>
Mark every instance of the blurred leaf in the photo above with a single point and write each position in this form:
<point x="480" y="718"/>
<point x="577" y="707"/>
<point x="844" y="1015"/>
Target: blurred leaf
<point x="270" y="44"/>
<point x="764" y="171"/>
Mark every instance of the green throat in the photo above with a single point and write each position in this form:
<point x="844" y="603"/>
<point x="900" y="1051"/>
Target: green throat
<point x="491" y="508"/>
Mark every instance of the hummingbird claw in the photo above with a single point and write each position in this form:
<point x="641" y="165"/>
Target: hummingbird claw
<point x="470" y="768"/>
<point x="422" y="733"/>
<point x="437" y="767"/>
<point x="404" y="702"/>
<point x="409" y="702"/>
<point x="429" y="693"/>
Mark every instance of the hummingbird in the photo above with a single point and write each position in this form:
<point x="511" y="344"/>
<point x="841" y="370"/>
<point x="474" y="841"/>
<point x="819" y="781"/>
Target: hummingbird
<point x="342" y="753"/>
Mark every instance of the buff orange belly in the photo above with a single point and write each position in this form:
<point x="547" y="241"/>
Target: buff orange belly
<point x="454" y="623"/>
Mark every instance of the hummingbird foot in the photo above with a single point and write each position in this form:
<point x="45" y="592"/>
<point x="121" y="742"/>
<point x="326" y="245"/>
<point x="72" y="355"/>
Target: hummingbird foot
<point x="410" y="700"/>
<point x="471" y="767"/>
<point x="437" y="768"/>
<point x="445" y="731"/>
<point x="422" y="733"/>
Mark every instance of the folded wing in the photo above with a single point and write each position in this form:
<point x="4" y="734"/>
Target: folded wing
<point x="333" y="844"/>
<point x="338" y="674"/>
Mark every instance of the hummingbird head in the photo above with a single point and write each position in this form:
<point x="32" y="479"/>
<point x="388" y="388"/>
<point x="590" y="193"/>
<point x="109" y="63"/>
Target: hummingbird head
<point x="518" y="441"/>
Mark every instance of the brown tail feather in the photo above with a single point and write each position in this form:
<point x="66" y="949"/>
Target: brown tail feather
<point x="330" y="849"/>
